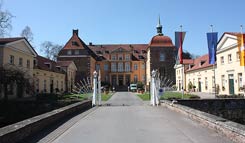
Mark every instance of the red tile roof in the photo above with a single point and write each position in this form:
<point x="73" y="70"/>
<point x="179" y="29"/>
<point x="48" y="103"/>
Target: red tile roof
<point x="64" y="63"/>
<point x="197" y="63"/>
<point x="160" y="40"/>
<point x="188" y="61"/>
<point x="136" y="49"/>
<point x="42" y="63"/>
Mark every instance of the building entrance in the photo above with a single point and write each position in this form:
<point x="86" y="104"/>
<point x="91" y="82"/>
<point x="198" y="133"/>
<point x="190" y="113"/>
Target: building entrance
<point x="120" y="80"/>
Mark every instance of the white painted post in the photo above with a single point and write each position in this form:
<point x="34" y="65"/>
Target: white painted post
<point x="94" y="89"/>
<point x="99" y="88"/>
<point x="153" y="82"/>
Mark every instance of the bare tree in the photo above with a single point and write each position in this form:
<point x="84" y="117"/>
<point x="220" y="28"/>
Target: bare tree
<point x="46" y="48"/>
<point x="27" y="33"/>
<point x="55" y="51"/>
<point x="50" y="50"/>
<point x="5" y="21"/>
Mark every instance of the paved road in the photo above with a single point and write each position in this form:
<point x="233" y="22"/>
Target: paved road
<point x="137" y="123"/>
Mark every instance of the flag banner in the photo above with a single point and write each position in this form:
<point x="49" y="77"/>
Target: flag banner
<point x="179" y="39"/>
<point x="241" y="48"/>
<point x="240" y="42"/>
<point x="212" y="46"/>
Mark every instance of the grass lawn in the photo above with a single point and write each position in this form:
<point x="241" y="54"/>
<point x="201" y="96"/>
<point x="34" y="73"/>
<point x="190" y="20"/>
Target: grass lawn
<point x="177" y="95"/>
<point x="104" y="97"/>
<point x="167" y="95"/>
<point x="144" y="96"/>
<point x="78" y="96"/>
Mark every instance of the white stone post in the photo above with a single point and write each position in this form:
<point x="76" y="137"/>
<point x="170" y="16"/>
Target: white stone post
<point x="99" y="89"/>
<point x="153" y="88"/>
<point x="94" y="89"/>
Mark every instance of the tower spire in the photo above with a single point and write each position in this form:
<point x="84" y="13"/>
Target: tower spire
<point x="159" y="26"/>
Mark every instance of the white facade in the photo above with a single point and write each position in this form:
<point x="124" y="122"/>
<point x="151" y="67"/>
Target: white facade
<point x="229" y="73"/>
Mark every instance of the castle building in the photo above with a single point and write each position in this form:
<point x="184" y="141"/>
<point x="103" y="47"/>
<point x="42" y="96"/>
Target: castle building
<point x="121" y="64"/>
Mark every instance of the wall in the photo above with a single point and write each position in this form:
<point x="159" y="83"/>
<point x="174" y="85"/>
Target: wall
<point x="231" y="109"/>
<point x="18" y="131"/>
<point x="17" y="55"/>
<point x="41" y="75"/>
<point x="203" y="75"/>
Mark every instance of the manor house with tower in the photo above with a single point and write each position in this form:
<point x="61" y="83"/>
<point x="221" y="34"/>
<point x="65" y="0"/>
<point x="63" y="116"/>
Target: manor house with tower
<point x="121" y="64"/>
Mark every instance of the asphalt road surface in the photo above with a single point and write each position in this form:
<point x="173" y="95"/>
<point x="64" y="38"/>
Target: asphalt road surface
<point x="128" y="120"/>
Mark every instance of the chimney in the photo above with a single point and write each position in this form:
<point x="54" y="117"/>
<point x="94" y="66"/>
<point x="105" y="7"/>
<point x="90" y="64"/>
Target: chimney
<point x="75" y="32"/>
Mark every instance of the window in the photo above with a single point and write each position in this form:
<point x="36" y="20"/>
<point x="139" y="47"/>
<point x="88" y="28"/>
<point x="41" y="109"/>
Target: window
<point x="135" y="66"/>
<point x="61" y="85"/>
<point x="11" y="59"/>
<point x="57" y="84"/>
<point x="113" y="57"/>
<point x="69" y="52"/>
<point x="229" y="58"/>
<point x="162" y="57"/>
<point x="143" y="78"/>
<point x="135" y="78"/>
<point x="76" y="52"/>
<point x="223" y="82"/>
<point x="143" y="66"/>
<point x="28" y="63"/>
<point x="120" y="57"/>
<point x="127" y="57"/>
<point x="20" y="61"/>
<point x="106" y="67"/>
<point x="37" y="85"/>
<point x="45" y="86"/>
<point x="222" y="60"/>
<point x="206" y="83"/>
<point x="74" y="43"/>
<point x="97" y="67"/>
<point x="120" y="67"/>
<point x="201" y="63"/>
<point x="240" y="81"/>
<point x="113" y="67"/>
<point x="238" y="56"/>
<point x="127" y="67"/>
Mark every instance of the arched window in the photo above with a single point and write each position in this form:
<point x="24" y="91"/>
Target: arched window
<point x="162" y="57"/>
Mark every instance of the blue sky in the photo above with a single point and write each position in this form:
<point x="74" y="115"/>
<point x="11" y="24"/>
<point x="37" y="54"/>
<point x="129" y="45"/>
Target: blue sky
<point x="125" y="21"/>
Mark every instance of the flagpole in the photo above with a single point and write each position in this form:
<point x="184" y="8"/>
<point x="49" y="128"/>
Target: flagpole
<point x="183" y="69"/>
<point x="211" y="27"/>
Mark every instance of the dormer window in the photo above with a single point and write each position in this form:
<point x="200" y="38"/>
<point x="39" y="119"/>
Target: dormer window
<point x="135" y="51"/>
<point x="141" y="57"/>
<point x="98" y="52"/>
<point x="201" y="63"/>
<point x="190" y="66"/>
<point x="143" y="51"/>
<point x="48" y="64"/>
<point x="58" y="67"/>
<point x="107" y="52"/>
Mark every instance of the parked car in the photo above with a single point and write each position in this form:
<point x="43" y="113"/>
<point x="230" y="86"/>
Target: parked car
<point x="133" y="87"/>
